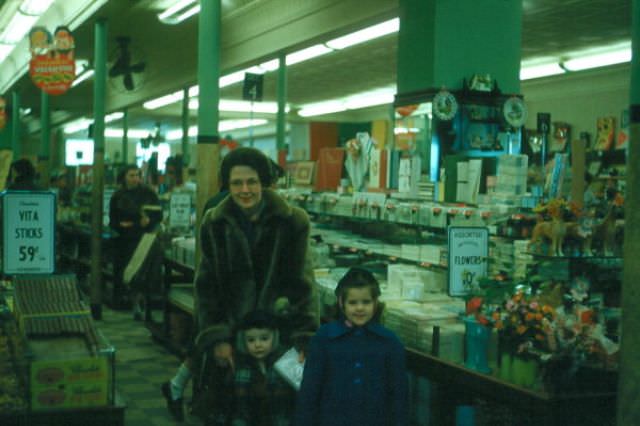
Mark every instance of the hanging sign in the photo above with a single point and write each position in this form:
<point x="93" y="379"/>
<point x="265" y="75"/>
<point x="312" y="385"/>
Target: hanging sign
<point x="180" y="210"/>
<point x="252" y="87"/>
<point x="52" y="67"/>
<point x="3" y="113"/>
<point x="28" y="228"/>
<point x="468" y="252"/>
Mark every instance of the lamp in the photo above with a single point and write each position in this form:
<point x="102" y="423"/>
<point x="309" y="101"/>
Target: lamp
<point x="528" y="72"/>
<point x="369" y="33"/>
<point x="599" y="58"/>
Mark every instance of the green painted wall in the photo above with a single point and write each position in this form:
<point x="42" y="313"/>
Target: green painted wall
<point x="441" y="42"/>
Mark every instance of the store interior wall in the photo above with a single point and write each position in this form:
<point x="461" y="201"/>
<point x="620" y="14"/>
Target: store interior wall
<point x="579" y="98"/>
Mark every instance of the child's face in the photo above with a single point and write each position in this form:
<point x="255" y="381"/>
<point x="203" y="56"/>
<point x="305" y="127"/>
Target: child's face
<point x="259" y="342"/>
<point x="359" y="305"/>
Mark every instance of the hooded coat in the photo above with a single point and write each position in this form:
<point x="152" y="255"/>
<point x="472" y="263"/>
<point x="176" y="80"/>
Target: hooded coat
<point x="274" y="274"/>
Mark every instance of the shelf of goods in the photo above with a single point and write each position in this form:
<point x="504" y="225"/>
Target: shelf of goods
<point x="66" y="363"/>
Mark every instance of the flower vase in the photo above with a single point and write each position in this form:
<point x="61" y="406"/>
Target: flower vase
<point x="524" y="371"/>
<point x="506" y="363"/>
<point x="477" y="345"/>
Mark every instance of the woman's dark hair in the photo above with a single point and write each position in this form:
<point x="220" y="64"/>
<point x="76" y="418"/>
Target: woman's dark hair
<point x="23" y="169"/>
<point x="249" y="157"/>
<point x="256" y="319"/>
<point x="357" y="277"/>
<point x="123" y="172"/>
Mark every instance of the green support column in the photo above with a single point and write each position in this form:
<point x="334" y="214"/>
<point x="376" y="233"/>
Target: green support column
<point x="45" y="139"/>
<point x="208" y="148"/>
<point x="629" y="377"/>
<point x="125" y="136"/>
<point x="441" y="42"/>
<point x="185" y="126"/>
<point x="16" y="146"/>
<point x="281" y="119"/>
<point x="99" y="92"/>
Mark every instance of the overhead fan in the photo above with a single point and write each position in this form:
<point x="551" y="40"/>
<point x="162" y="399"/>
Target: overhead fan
<point x="124" y="65"/>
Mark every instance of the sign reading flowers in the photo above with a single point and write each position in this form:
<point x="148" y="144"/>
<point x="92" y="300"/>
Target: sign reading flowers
<point x="52" y="66"/>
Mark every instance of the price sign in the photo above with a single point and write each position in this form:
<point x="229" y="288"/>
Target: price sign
<point x="468" y="251"/>
<point x="28" y="228"/>
<point x="180" y="210"/>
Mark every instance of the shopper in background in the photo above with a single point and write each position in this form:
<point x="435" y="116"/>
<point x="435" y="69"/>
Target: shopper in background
<point x="355" y="368"/>
<point x="262" y="397"/>
<point x="254" y="256"/>
<point x="134" y="209"/>
<point x="22" y="176"/>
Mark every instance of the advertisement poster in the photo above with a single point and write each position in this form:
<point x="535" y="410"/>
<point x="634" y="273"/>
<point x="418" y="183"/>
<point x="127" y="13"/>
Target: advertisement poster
<point x="180" y="210"/>
<point x="28" y="228"/>
<point x="52" y="67"/>
<point x="468" y="253"/>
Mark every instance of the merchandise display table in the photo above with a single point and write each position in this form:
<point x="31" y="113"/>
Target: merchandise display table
<point x="457" y="385"/>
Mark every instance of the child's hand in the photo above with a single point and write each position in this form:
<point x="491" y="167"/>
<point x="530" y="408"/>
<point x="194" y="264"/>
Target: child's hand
<point x="223" y="354"/>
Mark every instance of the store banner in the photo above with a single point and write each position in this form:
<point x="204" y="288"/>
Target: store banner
<point x="28" y="228"/>
<point x="468" y="255"/>
<point x="52" y="67"/>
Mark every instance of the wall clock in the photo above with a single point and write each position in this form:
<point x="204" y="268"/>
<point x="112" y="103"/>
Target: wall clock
<point x="514" y="111"/>
<point x="445" y="105"/>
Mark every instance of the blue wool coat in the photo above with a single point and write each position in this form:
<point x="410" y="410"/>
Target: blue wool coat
<point x="353" y="376"/>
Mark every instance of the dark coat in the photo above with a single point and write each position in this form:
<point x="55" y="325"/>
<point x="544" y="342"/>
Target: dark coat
<point x="275" y="274"/>
<point x="261" y="398"/>
<point x="127" y="205"/>
<point x="353" y="376"/>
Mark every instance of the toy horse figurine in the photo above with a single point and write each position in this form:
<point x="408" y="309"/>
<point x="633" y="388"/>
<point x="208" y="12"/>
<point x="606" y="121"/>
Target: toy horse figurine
<point x="605" y="230"/>
<point x="553" y="230"/>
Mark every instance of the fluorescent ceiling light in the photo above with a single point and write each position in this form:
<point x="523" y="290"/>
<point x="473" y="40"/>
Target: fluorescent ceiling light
<point x="597" y="60"/>
<point x="35" y="7"/>
<point x="229" y="79"/>
<point x="5" y="51"/>
<point x="229" y="105"/>
<point x="366" y="34"/>
<point x="370" y="98"/>
<point x="179" y="11"/>
<point x="271" y="65"/>
<point x="77" y="125"/>
<point x="111" y="132"/>
<point x="528" y="72"/>
<point x="223" y="126"/>
<point x="308" y="53"/>
<point x="321" y="108"/>
<point x="164" y="100"/>
<point x="82" y="77"/>
<point x="113" y="116"/>
<point x="17" y="28"/>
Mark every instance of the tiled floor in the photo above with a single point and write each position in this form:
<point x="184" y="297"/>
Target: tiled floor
<point x="142" y="364"/>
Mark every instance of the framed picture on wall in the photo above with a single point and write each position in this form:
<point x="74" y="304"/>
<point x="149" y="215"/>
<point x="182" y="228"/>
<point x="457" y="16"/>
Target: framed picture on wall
<point x="303" y="173"/>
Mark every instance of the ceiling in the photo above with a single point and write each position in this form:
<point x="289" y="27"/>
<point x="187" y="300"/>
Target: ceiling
<point x="255" y="30"/>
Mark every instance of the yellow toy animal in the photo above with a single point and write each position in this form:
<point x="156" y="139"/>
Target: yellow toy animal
<point x="553" y="230"/>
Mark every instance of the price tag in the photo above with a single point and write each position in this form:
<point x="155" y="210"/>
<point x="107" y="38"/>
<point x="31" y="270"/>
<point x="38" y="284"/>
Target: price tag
<point x="180" y="210"/>
<point x="28" y="232"/>
<point x="468" y="251"/>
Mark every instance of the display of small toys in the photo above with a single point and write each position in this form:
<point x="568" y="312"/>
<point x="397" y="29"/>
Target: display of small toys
<point x="553" y="229"/>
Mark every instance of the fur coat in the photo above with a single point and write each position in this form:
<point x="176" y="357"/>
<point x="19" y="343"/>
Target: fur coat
<point x="275" y="274"/>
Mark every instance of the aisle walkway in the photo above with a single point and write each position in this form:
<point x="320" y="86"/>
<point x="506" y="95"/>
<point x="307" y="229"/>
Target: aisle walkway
<point x="142" y="365"/>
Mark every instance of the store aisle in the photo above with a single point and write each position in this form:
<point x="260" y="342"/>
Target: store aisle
<point x="142" y="364"/>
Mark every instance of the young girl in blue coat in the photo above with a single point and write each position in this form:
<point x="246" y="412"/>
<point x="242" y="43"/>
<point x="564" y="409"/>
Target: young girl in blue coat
<point x="355" y="368"/>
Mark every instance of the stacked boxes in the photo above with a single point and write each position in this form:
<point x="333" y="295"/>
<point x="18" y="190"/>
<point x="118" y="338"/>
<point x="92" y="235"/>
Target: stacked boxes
<point x="512" y="174"/>
<point x="183" y="250"/>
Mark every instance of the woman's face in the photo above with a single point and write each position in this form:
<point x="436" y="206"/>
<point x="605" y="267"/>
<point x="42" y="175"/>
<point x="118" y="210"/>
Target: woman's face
<point x="245" y="187"/>
<point x="132" y="178"/>
<point x="359" y="306"/>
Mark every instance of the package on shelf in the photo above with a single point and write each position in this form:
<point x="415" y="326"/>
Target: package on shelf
<point x="183" y="250"/>
<point x="407" y="318"/>
<point x="320" y="255"/>
<point x="432" y="253"/>
<point x="410" y="251"/>
<point x="313" y="203"/>
<point x="344" y="206"/>
<point x="467" y="217"/>
<point x="438" y="218"/>
<point x="512" y="174"/>
<point x="424" y="214"/>
<point x="406" y="213"/>
<point x="450" y="341"/>
<point x="413" y="282"/>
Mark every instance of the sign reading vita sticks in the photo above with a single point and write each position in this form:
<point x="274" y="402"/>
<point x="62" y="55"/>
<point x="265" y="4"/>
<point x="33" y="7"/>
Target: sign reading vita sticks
<point x="52" y="66"/>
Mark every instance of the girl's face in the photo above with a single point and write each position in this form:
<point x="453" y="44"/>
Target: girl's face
<point x="359" y="306"/>
<point x="259" y="342"/>
<point x="245" y="187"/>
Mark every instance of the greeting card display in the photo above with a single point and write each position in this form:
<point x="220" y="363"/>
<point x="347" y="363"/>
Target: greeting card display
<point x="605" y="135"/>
